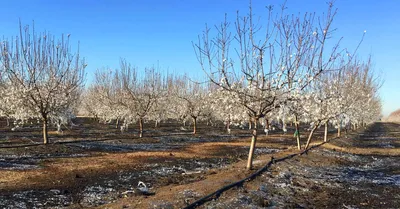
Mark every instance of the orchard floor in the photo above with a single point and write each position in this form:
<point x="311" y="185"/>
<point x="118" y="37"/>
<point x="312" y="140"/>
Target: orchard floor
<point x="94" y="165"/>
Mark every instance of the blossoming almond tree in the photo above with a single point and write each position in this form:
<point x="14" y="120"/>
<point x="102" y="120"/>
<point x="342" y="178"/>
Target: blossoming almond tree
<point x="105" y="97"/>
<point x="89" y="105"/>
<point x="347" y="94"/>
<point x="226" y="108"/>
<point x="194" y="99"/>
<point x="6" y="103"/>
<point x="46" y="77"/>
<point x="141" y="93"/>
<point x="316" y="106"/>
<point x="255" y="62"/>
<point x="126" y="95"/>
<point x="360" y="98"/>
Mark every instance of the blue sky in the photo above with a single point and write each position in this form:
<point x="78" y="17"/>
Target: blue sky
<point x="159" y="32"/>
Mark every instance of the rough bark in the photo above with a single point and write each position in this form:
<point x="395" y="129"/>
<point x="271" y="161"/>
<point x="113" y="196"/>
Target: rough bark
<point x="194" y="125"/>
<point x="140" y="127"/>
<point x="311" y="134"/>
<point x="250" y="123"/>
<point x="45" y="132"/>
<point x="228" y="126"/>
<point x="326" y="131"/>
<point x="117" y="123"/>
<point x="252" y="148"/>
<point x="297" y="133"/>
<point x="266" y="128"/>
<point x="59" y="131"/>
<point x="284" y="129"/>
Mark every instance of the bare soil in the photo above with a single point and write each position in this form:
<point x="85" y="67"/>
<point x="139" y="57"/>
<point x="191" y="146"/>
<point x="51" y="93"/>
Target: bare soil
<point x="363" y="173"/>
<point x="94" y="165"/>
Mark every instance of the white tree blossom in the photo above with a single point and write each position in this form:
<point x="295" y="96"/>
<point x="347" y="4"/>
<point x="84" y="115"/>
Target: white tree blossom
<point x="44" y="77"/>
<point x="262" y="65"/>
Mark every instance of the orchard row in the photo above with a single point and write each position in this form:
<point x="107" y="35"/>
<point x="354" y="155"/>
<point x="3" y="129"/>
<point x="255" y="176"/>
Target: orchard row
<point x="284" y="67"/>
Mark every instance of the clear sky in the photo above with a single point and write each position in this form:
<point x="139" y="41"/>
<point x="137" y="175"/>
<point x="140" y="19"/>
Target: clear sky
<point x="160" y="32"/>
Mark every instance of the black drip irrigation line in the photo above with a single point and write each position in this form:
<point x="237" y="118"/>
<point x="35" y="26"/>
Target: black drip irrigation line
<point x="215" y="195"/>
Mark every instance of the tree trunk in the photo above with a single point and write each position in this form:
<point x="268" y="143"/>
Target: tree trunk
<point x="339" y="131"/>
<point x="252" y="148"/>
<point x="117" y="123"/>
<point x="266" y="128"/>
<point x="59" y="131"/>
<point x="311" y="134"/>
<point x="156" y="124"/>
<point x="8" y="122"/>
<point x="140" y="127"/>
<point x="45" y="133"/>
<point x="284" y="129"/>
<point x="250" y="124"/>
<point x="194" y="125"/>
<point x="297" y="132"/>
<point x="326" y="131"/>
<point x="228" y="126"/>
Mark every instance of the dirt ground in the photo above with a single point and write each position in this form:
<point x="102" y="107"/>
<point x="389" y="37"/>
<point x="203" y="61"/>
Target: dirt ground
<point x="94" y="165"/>
<point x="363" y="173"/>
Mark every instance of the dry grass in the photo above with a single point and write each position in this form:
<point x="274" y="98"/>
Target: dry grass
<point x="365" y="151"/>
